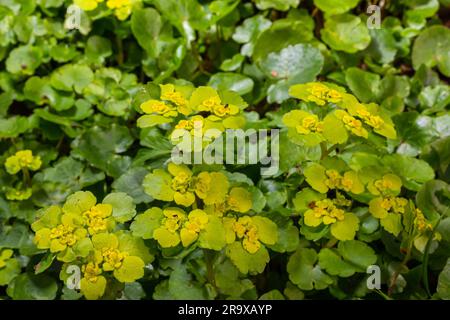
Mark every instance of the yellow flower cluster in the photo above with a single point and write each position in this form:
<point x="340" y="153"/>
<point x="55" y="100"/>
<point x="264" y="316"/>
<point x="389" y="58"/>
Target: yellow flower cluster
<point x="352" y="124"/>
<point x="375" y="122"/>
<point x="18" y="194"/>
<point x="316" y="92"/>
<point x="420" y="222"/>
<point x="325" y="212"/>
<point x="23" y="159"/>
<point x="109" y="256"/>
<point x="246" y="230"/>
<point x="122" y="8"/>
<point x="65" y="230"/>
<point x="221" y="111"/>
<point x="389" y="184"/>
<point x="309" y="124"/>
<point x="348" y="182"/>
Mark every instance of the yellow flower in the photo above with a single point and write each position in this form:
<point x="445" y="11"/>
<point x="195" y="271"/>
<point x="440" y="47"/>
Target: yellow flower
<point x="380" y="207"/>
<point x="123" y="12"/>
<point x="247" y="230"/>
<point x="239" y="200"/>
<point x="315" y="92"/>
<point x="253" y="231"/>
<point x="343" y="224"/>
<point x="352" y="124"/>
<point x="114" y="4"/>
<point x="421" y="223"/>
<point x="181" y="184"/>
<point x="159" y="107"/>
<point x="87" y="5"/>
<point x="91" y="271"/>
<point x="58" y="235"/>
<point x="211" y="187"/>
<point x="196" y="222"/>
<point x="389" y="184"/>
<point x="23" y="159"/>
<point x="169" y="93"/>
<point x="167" y="234"/>
<point x="96" y="218"/>
<point x="109" y="255"/>
<point x="18" y="194"/>
<point x="210" y="104"/>
<point x="374" y="121"/>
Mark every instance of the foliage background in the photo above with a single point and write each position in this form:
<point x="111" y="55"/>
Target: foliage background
<point x="72" y="96"/>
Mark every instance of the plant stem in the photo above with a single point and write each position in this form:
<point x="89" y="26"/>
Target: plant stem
<point x="397" y="272"/>
<point x="331" y="243"/>
<point x="209" y="259"/>
<point x="26" y="177"/>
<point x="119" y="50"/>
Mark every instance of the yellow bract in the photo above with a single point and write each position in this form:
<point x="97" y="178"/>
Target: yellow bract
<point x="23" y="159"/>
<point x="196" y="222"/>
<point x="96" y="218"/>
<point x="247" y="231"/>
<point x="5" y="255"/>
<point x="325" y="212"/>
<point x="18" y="194"/>
<point x="122" y="8"/>
<point x="315" y="92"/>
<point x="352" y="124"/>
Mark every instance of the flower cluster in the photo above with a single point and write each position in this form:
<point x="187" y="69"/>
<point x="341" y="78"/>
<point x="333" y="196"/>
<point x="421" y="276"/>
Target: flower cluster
<point x="195" y="110"/>
<point x="327" y="212"/>
<point x="316" y="92"/>
<point x="83" y="231"/>
<point x="214" y="222"/>
<point x="346" y="116"/>
<point x="323" y="179"/>
<point x="122" y="8"/>
<point x="22" y="161"/>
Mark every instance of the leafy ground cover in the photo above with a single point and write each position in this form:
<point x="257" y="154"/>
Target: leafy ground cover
<point x="94" y="93"/>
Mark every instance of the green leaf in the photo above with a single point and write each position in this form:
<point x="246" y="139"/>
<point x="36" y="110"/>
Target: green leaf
<point x="123" y="206"/>
<point x="304" y="272"/>
<point x="332" y="263"/>
<point x="146" y="25"/>
<point x="182" y="286"/>
<point x="32" y="287"/>
<point x="131" y="183"/>
<point x="13" y="126"/>
<point x="332" y="7"/>
<point x="233" y="63"/>
<point x="345" y="32"/>
<point x="24" y="60"/>
<point x="281" y="5"/>
<point x="358" y="253"/>
<point x="213" y="236"/>
<point x="231" y="81"/>
<point x="45" y="263"/>
<point x="101" y="147"/>
<point x="282" y="33"/>
<point x="443" y="287"/>
<point x="71" y="77"/>
<point x="292" y="65"/>
<point x="431" y="48"/>
<point x="144" y="224"/>
<point x="414" y="172"/>
<point x="433" y="199"/>
<point x="97" y="49"/>
<point x="245" y="261"/>
<point x="365" y="85"/>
